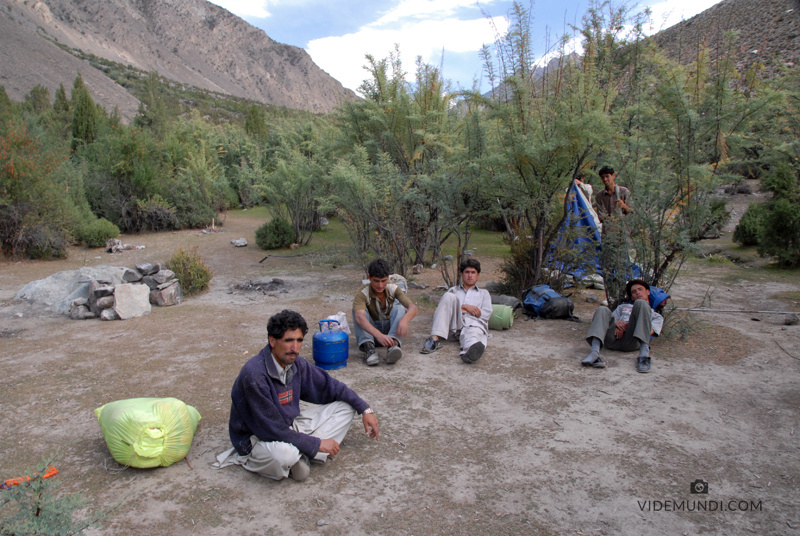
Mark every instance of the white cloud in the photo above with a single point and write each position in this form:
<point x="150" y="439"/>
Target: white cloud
<point x="422" y="9"/>
<point x="343" y="56"/>
<point x="245" y="8"/>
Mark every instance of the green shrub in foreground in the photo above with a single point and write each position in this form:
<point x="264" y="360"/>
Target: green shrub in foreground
<point x="275" y="234"/>
<point x="191" y="270"/>
<point x="97" y="233"/>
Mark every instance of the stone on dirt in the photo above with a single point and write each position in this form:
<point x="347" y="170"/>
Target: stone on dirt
<point x="131" y="276"/>
<point x="414" y="284"/>
<point x="109" y="314"/>
<point x="105" y="302"/>
<point x="171" y="295"/>
<point x="151" y="282"/>
<point x="162" y="276"/>
<point x="791" y="320"/>
<point x="144" y="268"/>
<point x="79" y="312"/>
<point x="239" y="243"/>
<point x="131" y="301"/>
<point x="417" y="269"/>
<point x="100" y="292"/>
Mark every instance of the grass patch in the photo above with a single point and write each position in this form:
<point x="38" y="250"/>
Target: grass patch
<point x="485" y="244"/>
<point x="719" y="260"/>
<point x="791" y="296"/>
<point x="253" y="213"/>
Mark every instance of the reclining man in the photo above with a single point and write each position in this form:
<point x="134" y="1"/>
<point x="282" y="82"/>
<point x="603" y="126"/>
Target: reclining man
<point x="627" y="329"/>
<point x="463" y="311"/>
<point x="270" y="435"/>
<point x="378" y="319"/>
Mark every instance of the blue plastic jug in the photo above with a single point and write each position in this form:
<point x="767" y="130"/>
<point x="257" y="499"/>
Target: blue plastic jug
<point x="330" y="348"/>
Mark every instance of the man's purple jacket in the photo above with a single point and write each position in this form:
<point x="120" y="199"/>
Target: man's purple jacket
<point x="262" y="406"/>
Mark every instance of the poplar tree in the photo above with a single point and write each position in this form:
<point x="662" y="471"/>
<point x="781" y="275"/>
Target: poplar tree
<point x="254" y="124"/>
<point x="61" y="103"/>
<point x="84" y="116"/>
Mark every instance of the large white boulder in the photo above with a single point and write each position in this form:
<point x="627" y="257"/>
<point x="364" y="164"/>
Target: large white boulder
<point x="131" y="301"/>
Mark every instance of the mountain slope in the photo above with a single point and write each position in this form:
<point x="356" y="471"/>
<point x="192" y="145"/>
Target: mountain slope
<point x="190" y="41"/>
<point x="768" y="31"/>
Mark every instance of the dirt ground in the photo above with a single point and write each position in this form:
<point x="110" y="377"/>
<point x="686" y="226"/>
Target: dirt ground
<point x="526" y="441"/>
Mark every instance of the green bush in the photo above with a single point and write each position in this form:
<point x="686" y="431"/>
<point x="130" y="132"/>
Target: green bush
<point x="275" y="234"/>
<point x="781" y="232"/>
<point x="748" y="231"/>
<point x="155" y="214"/>
<point x="35" y="215"/>
<point x="97" y="233"/>
<point x="191" y="270"/>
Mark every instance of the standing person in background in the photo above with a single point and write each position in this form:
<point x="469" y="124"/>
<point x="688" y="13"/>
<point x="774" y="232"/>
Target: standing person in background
<point x="613" y="204"/>
<point x="613" y="200"/>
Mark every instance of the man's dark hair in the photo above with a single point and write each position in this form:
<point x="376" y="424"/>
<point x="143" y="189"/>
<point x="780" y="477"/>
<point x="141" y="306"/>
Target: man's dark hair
<point x="632" y="282"/>
<point x="579" y="176"/>
<point x="379" y="268"/>
<point x="469" y="263"/>
<point x="286" y="320"/>
<point x="606" y="170"/>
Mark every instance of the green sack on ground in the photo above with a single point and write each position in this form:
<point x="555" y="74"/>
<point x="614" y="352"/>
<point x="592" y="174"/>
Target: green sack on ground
<point x="502" y="317"/>
<point x="148" y="432"/>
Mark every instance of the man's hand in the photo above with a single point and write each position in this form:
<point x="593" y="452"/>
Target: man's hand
<point x="384" y="340"/>
<point x="621" y="205"/>
<point x="620" y="330"/>
<point x="371" y="425"/>
<point x="402" y="327"/>
<point x="473" y="310"/>
<point x="329" y="446"/>
<point x="380" y="338"/>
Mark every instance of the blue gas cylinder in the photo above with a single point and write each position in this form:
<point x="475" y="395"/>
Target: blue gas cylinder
<point x="330" y="347"/>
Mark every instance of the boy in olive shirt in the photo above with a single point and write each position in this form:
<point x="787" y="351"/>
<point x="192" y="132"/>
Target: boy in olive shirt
<point x="378" y="318"/>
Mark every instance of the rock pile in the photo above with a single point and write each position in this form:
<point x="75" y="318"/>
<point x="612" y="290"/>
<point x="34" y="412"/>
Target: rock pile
<point x="145" y="285"/>
<point x="115" y="245"/>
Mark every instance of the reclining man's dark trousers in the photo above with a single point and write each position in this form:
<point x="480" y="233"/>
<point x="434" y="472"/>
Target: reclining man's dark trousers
<point x="639" y="328"/>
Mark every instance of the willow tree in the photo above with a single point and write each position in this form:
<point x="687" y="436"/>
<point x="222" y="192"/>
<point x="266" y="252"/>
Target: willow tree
<point x="401" y="141"/>
<point x="547" y="123"/>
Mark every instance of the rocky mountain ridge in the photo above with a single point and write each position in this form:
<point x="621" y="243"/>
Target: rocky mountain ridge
<point x="767" y="33"/>
<point x="190" y="41"/>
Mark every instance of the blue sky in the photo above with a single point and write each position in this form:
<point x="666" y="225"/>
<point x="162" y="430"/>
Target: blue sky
<point x="338" y="33"/>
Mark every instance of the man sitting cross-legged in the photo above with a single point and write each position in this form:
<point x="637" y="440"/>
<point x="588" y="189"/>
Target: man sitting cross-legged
<point x="627" y="329"/>
<point x="464" y="311"/>
<point x="270" y="435"/>
<point x="378" y="319"/>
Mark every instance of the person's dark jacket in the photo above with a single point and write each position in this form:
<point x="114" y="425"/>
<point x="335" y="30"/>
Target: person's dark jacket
<point x="262" y="406"/>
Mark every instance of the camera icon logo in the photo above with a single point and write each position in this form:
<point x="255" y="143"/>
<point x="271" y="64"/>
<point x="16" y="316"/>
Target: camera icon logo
<point x="699" y="486"/>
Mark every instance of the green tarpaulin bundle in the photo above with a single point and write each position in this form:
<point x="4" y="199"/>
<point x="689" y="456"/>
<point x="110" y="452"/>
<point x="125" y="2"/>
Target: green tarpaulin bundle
<point x="148" y="432"/>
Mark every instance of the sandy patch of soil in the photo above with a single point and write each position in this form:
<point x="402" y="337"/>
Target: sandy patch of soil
<point x="523" y="442"/>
